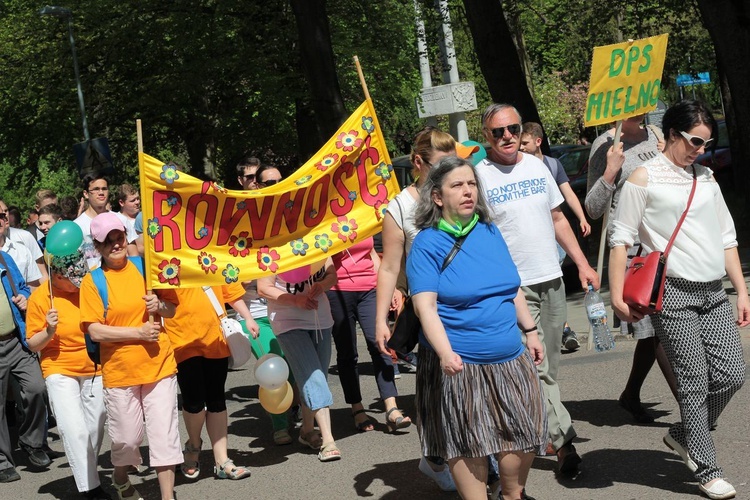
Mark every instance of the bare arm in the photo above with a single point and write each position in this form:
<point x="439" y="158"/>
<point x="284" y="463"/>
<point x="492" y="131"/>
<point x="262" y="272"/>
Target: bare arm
<point x="526" y="322"/>
<point x="390" y="266"/>
<point x="734" y="271"/>
<point x="375" y="260"/>
<point x="572" y="200"/>
<point x="566" y="239"/>
<point x="425" y="306"/>
<point x="40" y="339"/>
<point x="241" y="308"/>
<point x="148" y="332"/>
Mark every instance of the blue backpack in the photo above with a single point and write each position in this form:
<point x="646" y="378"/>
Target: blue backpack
<point x="100" y="280"/>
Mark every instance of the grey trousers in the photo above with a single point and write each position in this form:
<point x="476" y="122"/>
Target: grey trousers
<point x="547" y="304"/>
<point x="21" y="365"/>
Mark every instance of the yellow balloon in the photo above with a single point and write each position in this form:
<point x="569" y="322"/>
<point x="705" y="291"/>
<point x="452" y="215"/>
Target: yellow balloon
<point x="276" y="401"/>
<point x="48" y="258"/>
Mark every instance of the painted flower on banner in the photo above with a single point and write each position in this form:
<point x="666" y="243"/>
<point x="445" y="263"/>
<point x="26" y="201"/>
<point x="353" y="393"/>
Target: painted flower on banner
<point x="326" y="162"/>
<point x="353" y="195"/>
<point x="323" y="242"/>
<point x="303" y="180"/>
<point x="203" y="232"/>
<point x="170" y="271"/>
<point x="240" y="245"/>
<point x="299" y="247"/>
<point x="267" y="259"/>
<point x="313" y="213"/>
<point x="169" y="174"/>
<point x="348" y="141"/>
<point x="368" y="124"/>
<point x="153" y="228"/>
<point x="231" y="274"/>
<point x="241" y="205"/>
<point x="206" y="261"/>
<point x="384" y="170"/>
<point x="219" y="188"/>
<point x="380" y="209"/>
<point x="172" y="201"/>
<point x="345" y="228"/>
<point x="289" y="205"/>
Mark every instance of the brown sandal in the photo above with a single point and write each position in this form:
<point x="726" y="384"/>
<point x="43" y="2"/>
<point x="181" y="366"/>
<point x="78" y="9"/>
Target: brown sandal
<point x="401" y="422"/>
<point x="329" y="453"/>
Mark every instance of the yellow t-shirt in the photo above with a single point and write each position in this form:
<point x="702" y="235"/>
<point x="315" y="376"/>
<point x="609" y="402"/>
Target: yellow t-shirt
<point x="66" y="353"/>
<point x="131" y="362"/>
<point x="195" y="329"/>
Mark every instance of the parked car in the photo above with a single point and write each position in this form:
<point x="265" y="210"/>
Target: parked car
<point x="720" y="159"/>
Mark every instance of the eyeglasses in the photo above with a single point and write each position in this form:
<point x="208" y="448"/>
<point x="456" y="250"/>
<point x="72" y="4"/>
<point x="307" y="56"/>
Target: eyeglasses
<point x="3" y="215"/>
<point x="98" y="190"/>
<point x="270" y="182"/>
<point x="513" y="129"/>
<point x="248" y="177"/>
<point x="695" y="140"/>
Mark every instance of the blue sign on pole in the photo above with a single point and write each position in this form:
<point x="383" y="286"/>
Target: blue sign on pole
<point x="698" y="79"/>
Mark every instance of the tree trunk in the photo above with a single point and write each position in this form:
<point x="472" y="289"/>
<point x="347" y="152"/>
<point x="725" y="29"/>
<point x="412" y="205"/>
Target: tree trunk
<point x="319" y="68"/>
<point x="498" y="59"/>
<point x="728" y="23"/>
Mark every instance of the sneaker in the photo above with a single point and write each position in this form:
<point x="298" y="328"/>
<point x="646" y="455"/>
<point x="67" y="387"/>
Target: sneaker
<point x="9" y="475"/>
<point x="37" y="456"/>
<point x="570" y="339"/>
<point x="282" y="437"/>
<point x="442" y="477"/>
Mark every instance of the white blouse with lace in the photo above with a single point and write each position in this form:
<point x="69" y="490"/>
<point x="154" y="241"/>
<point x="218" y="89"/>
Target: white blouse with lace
<point x="651" y="213"/>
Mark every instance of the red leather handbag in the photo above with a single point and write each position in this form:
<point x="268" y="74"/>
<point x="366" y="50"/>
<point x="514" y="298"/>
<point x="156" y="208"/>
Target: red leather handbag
<point x="643" y="288"/>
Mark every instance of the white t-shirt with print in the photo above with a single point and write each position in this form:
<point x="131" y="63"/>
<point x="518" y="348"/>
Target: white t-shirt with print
<point x="285" y="317"/>
<point x="521" y="197"/>
<point x="23" y="259"/>
<point x="93" y="259"/>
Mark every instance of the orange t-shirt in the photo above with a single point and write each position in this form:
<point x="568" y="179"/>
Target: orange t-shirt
<point x="195" y="329"/>
<point x="65" y="353"/>
<point x="130" y="362"/>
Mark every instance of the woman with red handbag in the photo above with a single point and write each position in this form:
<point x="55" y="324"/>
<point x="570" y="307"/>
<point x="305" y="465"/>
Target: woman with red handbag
<point x="696" y="325"/>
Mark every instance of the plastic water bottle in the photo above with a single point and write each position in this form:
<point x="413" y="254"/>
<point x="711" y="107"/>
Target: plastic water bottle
<point x="597" y="313"/>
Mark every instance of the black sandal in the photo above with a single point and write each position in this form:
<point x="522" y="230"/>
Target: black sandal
<point x="365" y="425"/>
<point x="401" y="422"/>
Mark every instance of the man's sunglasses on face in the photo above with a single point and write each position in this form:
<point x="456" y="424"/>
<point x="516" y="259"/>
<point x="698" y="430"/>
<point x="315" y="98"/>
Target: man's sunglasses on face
<point x="513" y="129"/>
<point x="248" y="177"/>
<point x="3" y="215"/>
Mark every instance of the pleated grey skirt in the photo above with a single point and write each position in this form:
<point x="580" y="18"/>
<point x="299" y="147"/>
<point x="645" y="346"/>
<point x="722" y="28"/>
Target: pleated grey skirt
<point x="484" y="410"/>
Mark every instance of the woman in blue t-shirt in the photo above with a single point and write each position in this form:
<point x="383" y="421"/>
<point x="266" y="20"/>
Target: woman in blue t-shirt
<point x="478" y="392"/>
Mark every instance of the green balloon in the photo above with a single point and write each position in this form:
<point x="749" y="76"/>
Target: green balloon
<point x="64" y="238"/>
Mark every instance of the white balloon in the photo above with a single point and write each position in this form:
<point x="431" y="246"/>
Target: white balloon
<point x="272" y="373"/>
<point x="262" y="359"/>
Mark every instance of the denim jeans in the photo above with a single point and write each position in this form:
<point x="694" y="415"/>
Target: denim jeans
<point x="308" y="353"/>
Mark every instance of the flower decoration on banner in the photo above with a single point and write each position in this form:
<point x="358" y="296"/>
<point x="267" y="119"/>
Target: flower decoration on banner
<point x="206" y="261"/>
<point x="313" y="213"/>
<point x="353" y="195"/>
<point x="219" y="188"/>
<point x="384" y="171"/>
<point x="303" y="180"/>
<point x="153" y="228"/>
<point x="267" y="259"/>
<point x="299" y="247"/>
<point x="345" y="228"/>
<point x="231" y="274"/>
<point x="289" y="205"/>
<point x="348" y="141"/>
<point x="323" y="242"/>
<point x="380" y="209"/>
<point x="368" y="124"/>
<point x="172" y="201"/>
<point x="170" y="271"/>
<point x="240" y="245"/>
<point x="169" y="174"/>
<point x="241" y="205"/>
<point x="202" y="232"/>
<point x="326" y="162"/>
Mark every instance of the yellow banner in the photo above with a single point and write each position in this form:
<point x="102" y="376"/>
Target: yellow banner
<point x="625" y="80"/>
<point x="198" y="233"/>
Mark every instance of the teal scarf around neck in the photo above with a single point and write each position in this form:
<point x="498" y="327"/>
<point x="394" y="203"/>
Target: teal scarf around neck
<point x="458" y="230"/>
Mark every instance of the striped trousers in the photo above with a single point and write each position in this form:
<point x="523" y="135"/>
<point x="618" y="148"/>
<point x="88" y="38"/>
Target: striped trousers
<point x="702" y="343"/>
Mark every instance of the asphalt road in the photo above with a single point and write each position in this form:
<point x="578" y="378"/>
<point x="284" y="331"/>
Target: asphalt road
<point x="621" y="460"/>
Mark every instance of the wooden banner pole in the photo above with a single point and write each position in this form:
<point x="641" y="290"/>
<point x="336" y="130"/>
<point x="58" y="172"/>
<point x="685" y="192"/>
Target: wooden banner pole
<point x="362" y="78"/>
<point x="142" y="179"/>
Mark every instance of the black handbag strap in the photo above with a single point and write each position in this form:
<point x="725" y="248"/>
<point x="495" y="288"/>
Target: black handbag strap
<point x="453" y="252"/>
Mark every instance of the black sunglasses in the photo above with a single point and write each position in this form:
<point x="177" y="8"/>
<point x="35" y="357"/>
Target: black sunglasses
<point x="269" y="182"/>
<point x="513" y="129"/>
<point x="3" y="216"/>
<point x="248" y="177"/>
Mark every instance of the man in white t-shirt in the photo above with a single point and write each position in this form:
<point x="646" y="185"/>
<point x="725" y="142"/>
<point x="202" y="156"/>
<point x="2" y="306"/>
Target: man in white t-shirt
<point x="96" y="192"/>
<point x="23" y="247"/>
<point x="526" y="208"/>
<point x="129" y="204"/>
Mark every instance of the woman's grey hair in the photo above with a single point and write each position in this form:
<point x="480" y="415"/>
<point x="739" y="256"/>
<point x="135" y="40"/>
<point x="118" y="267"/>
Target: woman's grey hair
<point x="427" y="213"/>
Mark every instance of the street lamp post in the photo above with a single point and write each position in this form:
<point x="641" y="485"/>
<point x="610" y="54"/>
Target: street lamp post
<point x="65" y="13"/>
